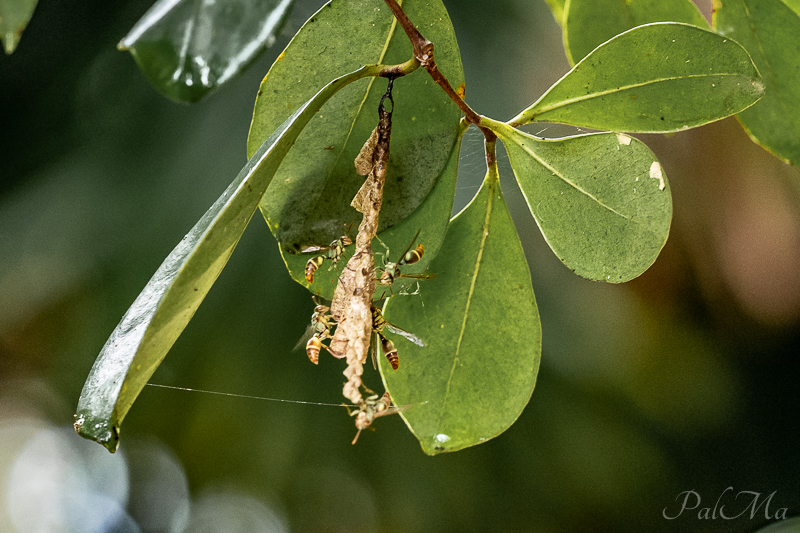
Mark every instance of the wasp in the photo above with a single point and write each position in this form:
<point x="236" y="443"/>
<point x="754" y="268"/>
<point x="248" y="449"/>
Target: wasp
<point x="317" y="331"/>
<point x="408" y="257"/>
<point x="334" y="251"/>
<point x="379" y="323"/>
<point x="374" y="407"/>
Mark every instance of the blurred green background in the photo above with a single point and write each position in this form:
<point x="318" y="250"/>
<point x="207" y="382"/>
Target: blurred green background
<point x="684" y="379"/>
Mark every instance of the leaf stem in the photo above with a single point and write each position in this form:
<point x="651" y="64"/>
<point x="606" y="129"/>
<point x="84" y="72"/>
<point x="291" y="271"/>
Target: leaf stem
<point x="396" y="71"/>
<point x="491" y="157"/>
<point x="424" y="54"/>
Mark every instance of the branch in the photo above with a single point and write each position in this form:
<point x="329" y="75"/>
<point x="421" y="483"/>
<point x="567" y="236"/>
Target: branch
<point x="423" y="52"/>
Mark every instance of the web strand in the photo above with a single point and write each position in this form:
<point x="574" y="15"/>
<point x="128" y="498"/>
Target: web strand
<point x="245" y="396"/>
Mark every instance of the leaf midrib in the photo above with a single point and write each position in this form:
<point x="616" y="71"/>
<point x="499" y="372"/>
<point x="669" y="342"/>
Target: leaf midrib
<point x="484" y="235"/>
<point x="321" y="199"/>
<point x="564" y="178"/>
<point x="357" y="114"/>
<point x="590" y="96"/>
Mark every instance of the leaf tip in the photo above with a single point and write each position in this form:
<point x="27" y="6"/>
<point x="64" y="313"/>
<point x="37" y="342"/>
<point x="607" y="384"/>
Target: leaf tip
<point x="101" y="432"/>
<point x="10" y="41"/>
<point x="436" y="444"/>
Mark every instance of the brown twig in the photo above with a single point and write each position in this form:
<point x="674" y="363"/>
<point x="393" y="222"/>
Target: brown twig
<point x="491" y="153"/>
<point x="424" y="53"/>
<point x="420" y="43"/>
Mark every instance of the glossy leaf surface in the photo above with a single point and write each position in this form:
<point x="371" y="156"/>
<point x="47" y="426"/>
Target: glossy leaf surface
<point x="656" y="78"/>
<point x="14" y="16"/>
<point x="590" y="23"/>
<point x="602" y="200"/>
<point x="480" y="321"/>
<point x="160" y="313"/>
<point x="308" y="203"/>
<point x="430" y="219"/>
<point x="770" y="30"/>
<point x="188" y="48"/>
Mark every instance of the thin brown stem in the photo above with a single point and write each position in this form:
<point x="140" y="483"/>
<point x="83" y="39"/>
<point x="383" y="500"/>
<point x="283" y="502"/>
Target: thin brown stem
<point x="419" y="42"/>
<point x="423" y="52"/>
<point x="491" y="153"/>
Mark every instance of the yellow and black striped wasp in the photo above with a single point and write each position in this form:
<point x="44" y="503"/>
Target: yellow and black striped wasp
<point x="373" y="407"/>
<point x="334" y="251"/>
<point x="391" y="271"/>
<point x="379" y="323"/>
<point x="318" y="331"/>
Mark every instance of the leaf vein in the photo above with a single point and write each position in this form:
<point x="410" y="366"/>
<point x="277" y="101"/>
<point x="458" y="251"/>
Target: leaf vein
<point x="598" y="94"/>
<point x="572" y="183"/>
<point x="372" y="79"/>
<point x="484" y="236"/>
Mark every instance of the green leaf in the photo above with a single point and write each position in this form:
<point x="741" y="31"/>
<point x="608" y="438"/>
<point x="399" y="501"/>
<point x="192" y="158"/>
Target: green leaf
<point x="160" y="313"/>
<point x="794" y="5"/>
<point x="590" y="23"/>
<point x="430" y="219"/>
<point x="188" y="48"/>
<point x="770" y="30"/>
<point x="14" y="16"/>
<point x="481" y="323"/>
<point x="308" y="203"/>
<point x="601" y="200"/>
<point x="791" y="525"/>
<point x="557" y="8"/>
<point x="656" y="78"/>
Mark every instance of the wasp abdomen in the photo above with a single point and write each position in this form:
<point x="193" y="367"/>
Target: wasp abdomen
<point x="313" y="264"/>
<point x="414" y="255"/>
<point x="391" y="352"/>
<point x="312" y="349"/>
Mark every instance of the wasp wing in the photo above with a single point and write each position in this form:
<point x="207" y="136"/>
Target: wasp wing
<point x="304" y="339"/>
<point x="313" y="248"/>
<point x="392" y="410"/>
<point x="407" y="335"/>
